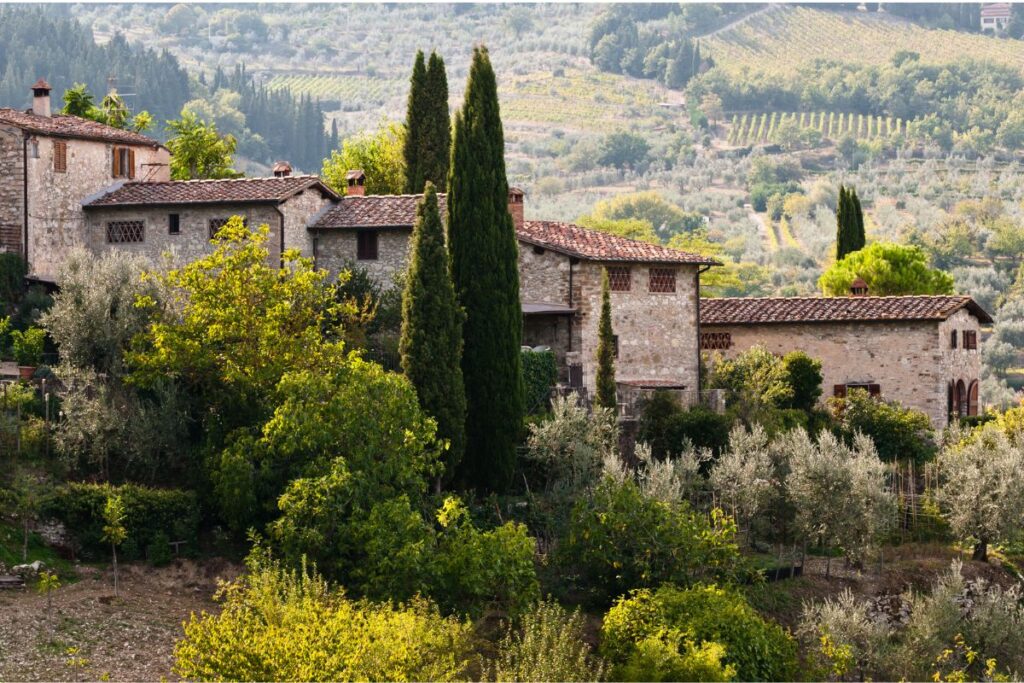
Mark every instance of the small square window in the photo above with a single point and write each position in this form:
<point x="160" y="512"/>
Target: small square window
<point x="662" y="280"/>
<point x="619" y="278"/>
<point x="121" y="232"/>
<point x="60" y="156"/>
<point x="173" y="224"/>
<point x="366" y="245"/>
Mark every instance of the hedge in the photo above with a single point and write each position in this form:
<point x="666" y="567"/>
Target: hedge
<point x="154" y="517"/>
<point x="539" y="374"/>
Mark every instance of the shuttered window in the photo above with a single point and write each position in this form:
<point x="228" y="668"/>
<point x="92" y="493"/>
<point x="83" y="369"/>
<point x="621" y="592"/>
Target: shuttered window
<point x="123" y="163"/>
<point x="60" y="156"/>
<point x="366" y="245"/>
<point x="970" y="340"/>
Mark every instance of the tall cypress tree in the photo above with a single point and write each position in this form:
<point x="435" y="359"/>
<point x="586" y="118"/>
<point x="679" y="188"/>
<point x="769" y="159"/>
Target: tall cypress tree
<point x="437" y="125"/>
<point x="431" y="341"/>
<point x="849" y="223"/>
<point x="414" y="124"/>
<point x="842" y="247"/>
<point x="857" y="238"/>
<point x="485" y="260"/>
<point x="605" y="396"/>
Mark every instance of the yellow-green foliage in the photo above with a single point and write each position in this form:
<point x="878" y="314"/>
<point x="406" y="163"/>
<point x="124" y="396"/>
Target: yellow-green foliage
<point x="551" y="646"/>
<point x="279" y="625"/>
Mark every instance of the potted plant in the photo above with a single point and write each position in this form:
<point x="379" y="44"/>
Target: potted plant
<point x="28" y="350"/>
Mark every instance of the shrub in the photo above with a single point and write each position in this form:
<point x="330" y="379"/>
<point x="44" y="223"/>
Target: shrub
<point x="28" y="345"/>
<point x="619" y="539"/>
<point x="278" y="625"/>
<point x="803" y="373"/>
<point x="671" y="656"/>
<point x="899" y="433"/>
<point x="758" y="649"/>
<point x="13" y="270"/>
<point x="148" y="513"/>
<point x="667" y="427"/>
<point x="550" y="646"/>
<point x="571" y="447"/>
<point x="158" y="552"/>
<point x="539" y="375"/>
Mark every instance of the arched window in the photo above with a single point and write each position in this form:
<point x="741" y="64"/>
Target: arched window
<point x="950" y="399"/>
<point x="972" y="398"/>
<point x="961" y="399"/>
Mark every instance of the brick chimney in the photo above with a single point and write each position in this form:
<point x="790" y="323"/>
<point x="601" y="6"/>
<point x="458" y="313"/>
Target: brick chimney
<point x="858" y="287"/>
<point x="282" y="169"/>
<point x="41" y="98"/>
<point x="515" y="206"/>
<point x="355" y="181"/>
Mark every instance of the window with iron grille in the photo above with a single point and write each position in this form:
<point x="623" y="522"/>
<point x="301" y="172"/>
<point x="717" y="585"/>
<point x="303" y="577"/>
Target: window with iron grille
<point x="619" y="278"/>
<point x="60" y="156"/>
<point x="970" y="340"/>
<point x="217" y="223"/>
<point x="366" y="245"/>
<point x="662" y="280"/>
<point x="711" y="341"/>
<point x="120" y="232"/>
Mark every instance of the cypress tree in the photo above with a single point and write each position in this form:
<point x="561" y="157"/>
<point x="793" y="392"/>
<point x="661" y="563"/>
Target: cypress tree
<point x="605" y="396"/>
<point x="431" y="341"/>
<point x="437" y="125"/>
<point x="842" y="248"/>
<point x="485" y="260"/>
<point x="849" y="223"/>
<point x="857" y="238"/>
<point x="414" y="115"/>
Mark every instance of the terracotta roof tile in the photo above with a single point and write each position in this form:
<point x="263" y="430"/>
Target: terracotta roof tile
<point x="751" y="311"/>
<point x="67" y="126"/>
<point x="600" y="246"/>
<point x="240" y="190"/>
<point x="375" y="211"/>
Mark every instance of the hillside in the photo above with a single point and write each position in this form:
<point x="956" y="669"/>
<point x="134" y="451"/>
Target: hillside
<point x="787" y="37"/>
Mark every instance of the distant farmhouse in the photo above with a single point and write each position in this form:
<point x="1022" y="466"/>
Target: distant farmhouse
<point x="67" y="183"/>
<point x="995" y="16"/>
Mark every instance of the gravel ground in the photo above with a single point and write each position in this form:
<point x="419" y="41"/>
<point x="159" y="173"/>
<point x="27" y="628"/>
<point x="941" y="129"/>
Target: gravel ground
<point x="95" y="636"/>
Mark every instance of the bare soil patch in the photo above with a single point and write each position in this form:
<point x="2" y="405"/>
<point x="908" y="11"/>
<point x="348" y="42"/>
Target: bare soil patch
<point x="95" y="636"/>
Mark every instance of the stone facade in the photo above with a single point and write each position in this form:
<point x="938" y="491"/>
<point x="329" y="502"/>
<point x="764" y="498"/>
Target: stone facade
<point x="657" y="331"/>
<point x="336" y="250"/>
<point x="911" y="361"/>
<point x="56" y="220"/>
<point x="12" y="188"/>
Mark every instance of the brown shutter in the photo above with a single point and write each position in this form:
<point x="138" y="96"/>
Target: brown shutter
<point x="116" y="170"/>
<point x="131" y="163"/>
<point x="972" y="399"/>
<point x="839" y="391"/>
<point x="875" y="390"/>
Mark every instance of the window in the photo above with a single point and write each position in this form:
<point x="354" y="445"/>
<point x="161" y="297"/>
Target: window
<point x="970" y="340"/>
<point x="710" y="341"/>
<point x="952" y="339"/>
<point x="615" y="345"/>
<point x="173" y="224"/>
<point x="619" y="278"/>
<point x="60" y="156"/>
<point x="539" y="251"/>
<point x="662" y="280"/>
<point x="120" y="232"/>
<point x="124" y="163"/>
<point x="366" y="245"/>
<point x="216" y="224"/>
<point x="841" y="390"/>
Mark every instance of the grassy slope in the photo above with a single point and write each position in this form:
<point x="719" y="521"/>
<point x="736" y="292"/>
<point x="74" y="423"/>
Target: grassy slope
<point x="787" y="37"/>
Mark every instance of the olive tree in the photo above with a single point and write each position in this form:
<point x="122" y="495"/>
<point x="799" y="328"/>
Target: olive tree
<point x="742" y="477"/>
<point x="981" y="490"/>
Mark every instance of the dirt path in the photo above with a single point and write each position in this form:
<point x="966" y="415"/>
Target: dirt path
<point x="98" y="637"/>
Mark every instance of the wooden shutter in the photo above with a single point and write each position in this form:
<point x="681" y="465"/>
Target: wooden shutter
<point x="131" y="164"/>
<point x="839" y="391"/>
<point x="972" y="398"/>
<point x="875" y="390"/>
<point x="116" y="170"/>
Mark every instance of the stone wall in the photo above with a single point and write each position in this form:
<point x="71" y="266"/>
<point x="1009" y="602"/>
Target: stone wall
<point x="657" y="331"/>
<point x="909" y="360"/>
<point x="298" y="211"/>
<point x="12" y="189"/>
<point x="336" y="250"/>
<point x="193" y="238"/>
<point x="960" y="363"/>
<point x="56" y="220"/>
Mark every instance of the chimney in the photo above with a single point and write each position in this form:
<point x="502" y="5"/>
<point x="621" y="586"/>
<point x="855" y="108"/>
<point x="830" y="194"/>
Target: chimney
<point x="282" y="169"/>
<point x="515" y="206"/>
<point x="355" y="181"/>
<point x="858" y="287"/>
<point x="41" y="98"/>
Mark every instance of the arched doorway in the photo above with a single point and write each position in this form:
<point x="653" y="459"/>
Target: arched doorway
<point x="961" y="398"/>
<point x="972" y="398"/>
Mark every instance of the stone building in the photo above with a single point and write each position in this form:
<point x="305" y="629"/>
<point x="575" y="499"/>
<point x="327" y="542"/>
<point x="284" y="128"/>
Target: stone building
<point x="48" y="163"/>
<point x="180" y="217"/>
<point x="921" y="351"/>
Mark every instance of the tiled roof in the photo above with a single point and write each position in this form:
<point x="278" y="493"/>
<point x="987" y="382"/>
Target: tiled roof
<point x="600" y="246"/>
<point x="235" y="191"/>
<point x="375" y="211"/>
<point x="67" y="126"/>
<point x="751" y="311"/>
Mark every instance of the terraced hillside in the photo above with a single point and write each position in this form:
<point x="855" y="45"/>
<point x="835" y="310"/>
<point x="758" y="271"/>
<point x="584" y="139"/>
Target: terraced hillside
<point x="786" y="37"/>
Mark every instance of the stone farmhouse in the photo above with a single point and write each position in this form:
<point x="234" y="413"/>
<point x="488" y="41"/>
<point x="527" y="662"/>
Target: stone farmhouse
<point x="68" y="183"/>
<point x="919" y="350"/>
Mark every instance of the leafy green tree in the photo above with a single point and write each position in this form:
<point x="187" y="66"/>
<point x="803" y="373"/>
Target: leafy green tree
<point x="114" y="531"/>
<point x="378" y="155"/>
<point x="48" y="583"/>
<point x="78" y="101"/>
<point x="431" y="342"/>
<point x="427" y="141"/>
<point x="888" y="269"/>
<point x="198" y="151"/>
<point x="624" y="150"/>
<point x="485" y="269"/>
<point x="630" y="228"/>
<point x="899" y="433"/>
<point x="804" y="376"/>
<point x="666" y="218"/>
<point x="756" y="381"/>
<point x="605" y="396"/>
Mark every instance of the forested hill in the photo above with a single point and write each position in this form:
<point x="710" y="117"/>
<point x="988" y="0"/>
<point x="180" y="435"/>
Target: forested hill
<point x="42" y="42"/>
